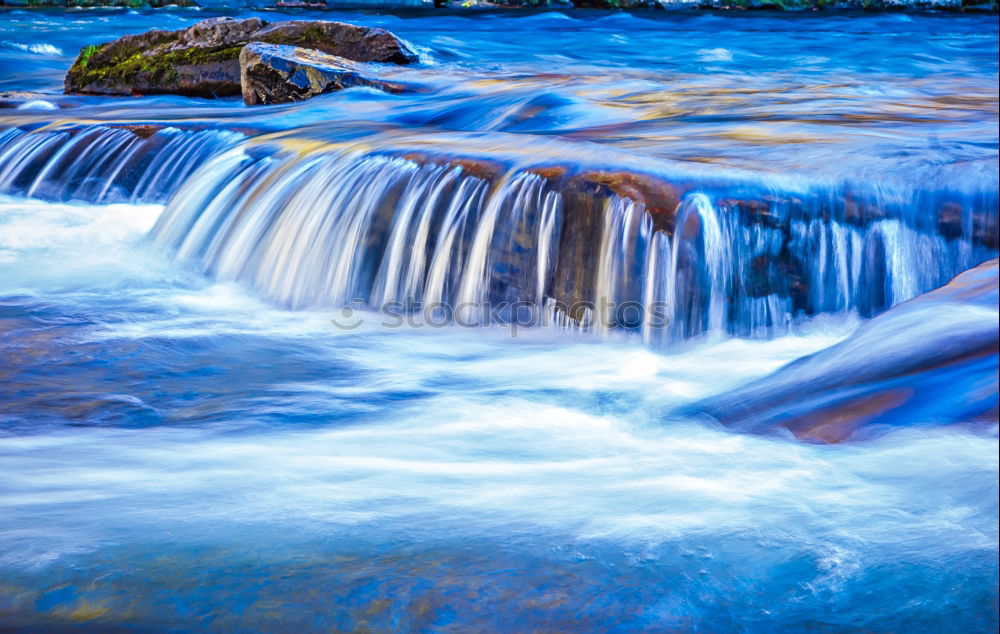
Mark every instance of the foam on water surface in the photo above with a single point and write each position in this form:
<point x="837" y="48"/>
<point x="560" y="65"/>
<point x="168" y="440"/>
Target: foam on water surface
<point x="231" y="438"/>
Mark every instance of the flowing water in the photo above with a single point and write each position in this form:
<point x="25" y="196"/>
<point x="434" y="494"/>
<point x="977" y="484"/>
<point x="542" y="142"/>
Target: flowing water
<point x="413" y="362"/>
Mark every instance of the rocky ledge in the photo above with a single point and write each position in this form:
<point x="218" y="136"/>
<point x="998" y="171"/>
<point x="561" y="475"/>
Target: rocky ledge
<point x="931" y="360"/>
<point x="203" y="60"/>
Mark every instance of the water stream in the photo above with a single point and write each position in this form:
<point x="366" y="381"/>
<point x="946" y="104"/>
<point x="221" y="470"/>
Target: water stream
<point x="414" y="362"/>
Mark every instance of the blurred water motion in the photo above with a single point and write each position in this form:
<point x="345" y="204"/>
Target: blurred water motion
<point x="930" y="360"/>
<point x="877" y="96"/>
<point x="188" y="443"/>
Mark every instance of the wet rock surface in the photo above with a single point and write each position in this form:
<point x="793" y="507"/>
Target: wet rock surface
<point x="359" y="44"/>
<point x="931" y="360"/>
<point x="199" y="61"/>
<point x="203" y="60"/>
<point x="282" y="74"/>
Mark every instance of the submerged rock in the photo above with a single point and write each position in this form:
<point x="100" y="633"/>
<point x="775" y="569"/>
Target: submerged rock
<point x="281" y="74"/>
<point x="27" y="100"/>
<point x="203" y="60"/>
<point x="931" y="360"/>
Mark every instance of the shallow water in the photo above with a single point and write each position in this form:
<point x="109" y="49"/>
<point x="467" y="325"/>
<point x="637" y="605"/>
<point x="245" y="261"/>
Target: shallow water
<point x="893" y="97"/>
<point x="178" y="451"/>
<point x="178" y="454"/>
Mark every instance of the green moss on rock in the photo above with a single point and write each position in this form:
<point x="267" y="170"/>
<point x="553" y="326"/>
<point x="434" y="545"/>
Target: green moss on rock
<point x="85" y="55"/>
<point x="203" y="60"/>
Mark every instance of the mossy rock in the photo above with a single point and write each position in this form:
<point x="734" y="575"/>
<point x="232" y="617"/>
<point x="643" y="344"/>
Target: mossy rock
<point x="203" y="60"/>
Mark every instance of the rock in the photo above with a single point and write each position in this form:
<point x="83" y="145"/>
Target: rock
<point x="200" y="61"/>
<point x="203" y="60"/>
<point x="660" y="198"/>
<point x="931" y="360"/>
<point x="355" y="43"/>
<point x="272" y="73"/>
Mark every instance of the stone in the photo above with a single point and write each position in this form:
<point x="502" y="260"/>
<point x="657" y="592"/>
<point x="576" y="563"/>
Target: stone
<point x="931" y="360"/>
<point x="200" y="61"/>
<point x="661" y="199"/>
<point x="273" y="73"/>
<point x="203" y="60"/>
<point x="359" y="44"/>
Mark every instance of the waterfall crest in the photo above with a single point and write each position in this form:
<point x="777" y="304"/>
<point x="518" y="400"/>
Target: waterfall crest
<point x="336" y="226"/>
<point x="670" y="257"/>
<point x="99" y="163"/>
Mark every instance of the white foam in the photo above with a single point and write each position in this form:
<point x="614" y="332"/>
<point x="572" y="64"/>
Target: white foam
<point x="38" y="104"/>
<point x="714" y="55"/>
<point x="38" y="49"/>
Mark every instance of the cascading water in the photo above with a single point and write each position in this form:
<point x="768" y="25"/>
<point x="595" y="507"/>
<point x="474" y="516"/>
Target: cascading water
<point x="512" y="248"/>
<point x="208" y="422"/>
<point x="322" y="227"/>
<point x="478" y="248"/>
<point x="621" y="264"/>
<point x="102" y="163"/>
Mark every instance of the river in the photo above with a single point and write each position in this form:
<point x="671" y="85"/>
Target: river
<point x="235" y="396"/>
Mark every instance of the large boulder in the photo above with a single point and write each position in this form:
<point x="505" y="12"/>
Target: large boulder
<point x="931" y="360"/>
<point x="203" y="60"/>
<point x="273" y="73"/>
<point x="200" y="61"/>
<point x="351" y="42"/>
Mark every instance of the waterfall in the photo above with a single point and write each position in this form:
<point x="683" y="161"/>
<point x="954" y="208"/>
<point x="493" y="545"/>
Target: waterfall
<point x="508" y="258"/>
<point x="313" y="225"/>
<point x="332" y="227"/>
<point x="623" y="253"/>
<point x="700" y="269"/>
<point x="103" y="163"/>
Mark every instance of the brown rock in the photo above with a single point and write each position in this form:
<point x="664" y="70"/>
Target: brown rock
<point x="356" y="43"/>
<point x="271" y="74"/>
<point x="660" y="198"/>
<point x="480" y="168"/>
<point x="200" y="61"/>
<point x="203" y="60"/>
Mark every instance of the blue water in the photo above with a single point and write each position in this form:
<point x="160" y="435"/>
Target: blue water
<point x="883" y="97"/>
<point x="177" y="453"/>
